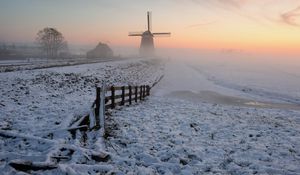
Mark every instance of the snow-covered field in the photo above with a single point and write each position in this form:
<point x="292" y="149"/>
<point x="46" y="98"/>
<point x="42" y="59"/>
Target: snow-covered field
<point x="37" y="102"/>
<point x="171" y="136"/>
<point x="180" y="130"/>
<point x="202" y="118"/>
<point x="39" y="63"/>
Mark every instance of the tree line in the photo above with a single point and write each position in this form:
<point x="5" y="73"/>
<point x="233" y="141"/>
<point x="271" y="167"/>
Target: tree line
<point x="52" y="44"/>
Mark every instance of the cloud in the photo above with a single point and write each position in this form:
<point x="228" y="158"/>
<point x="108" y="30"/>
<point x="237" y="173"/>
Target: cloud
<point x="224" y="3"/>
<point x="200" y="24"/>
<point x="291" y="17"/>
<point x="233" y="3"/>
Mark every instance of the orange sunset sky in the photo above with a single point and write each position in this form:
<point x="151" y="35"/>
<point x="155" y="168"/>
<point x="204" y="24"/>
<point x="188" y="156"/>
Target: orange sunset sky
<point x="250" y="25"/>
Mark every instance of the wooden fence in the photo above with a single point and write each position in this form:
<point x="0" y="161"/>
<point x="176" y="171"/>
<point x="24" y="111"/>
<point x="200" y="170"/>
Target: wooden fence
<point x="109" y="98"/>
<point x="119" y="96"/>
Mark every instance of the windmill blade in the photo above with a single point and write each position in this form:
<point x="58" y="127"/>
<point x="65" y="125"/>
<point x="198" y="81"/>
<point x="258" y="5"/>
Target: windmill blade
<point x="135" y="34"/>
<point x="149" y="21"/>
<point x="166" y="34"/>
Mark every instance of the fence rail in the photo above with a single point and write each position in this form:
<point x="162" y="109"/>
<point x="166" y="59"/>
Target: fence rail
<point x="113" y="96"/>
<point x="125" y="95"/>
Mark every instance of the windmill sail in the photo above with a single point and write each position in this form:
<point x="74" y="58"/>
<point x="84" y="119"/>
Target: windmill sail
<point x="162" y="34"/>
<point x="135" y="33"/>
<point x="149" y="21"/>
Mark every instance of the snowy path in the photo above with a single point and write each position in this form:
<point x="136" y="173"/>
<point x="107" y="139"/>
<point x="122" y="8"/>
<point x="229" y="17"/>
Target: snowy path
<point x="167" y="135"/>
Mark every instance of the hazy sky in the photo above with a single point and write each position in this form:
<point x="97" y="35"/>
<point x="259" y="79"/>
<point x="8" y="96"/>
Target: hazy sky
<point x="255" y="25"/>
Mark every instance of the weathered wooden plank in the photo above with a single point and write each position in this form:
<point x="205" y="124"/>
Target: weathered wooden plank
<point x="100" y="156"/>
<point x="148" y="90"/>
<point x="141" y="92"/>
<point x="26" y="166"/>
<point x="116" y="104"/>
<point x="144" y="91"/>
<point x="127" y="101"/>
<point x="136" y="94"/>
<point x="127" y="94"/>
<point x="130" y="94"/>
<point x="83" y="121"/>
<point x="107" y="106"/>
<point x="102" y="110"/>
<point x="81" y="128"/>
<point x="119" y="103"/>
<point x="123" y="95"/>
<point x="60" y="157"/>
<point x="107" y="98"/>
<point x="97" y="109"/>
<point x="112" y="97"/>
<point x="92" y="117"/>
<point x="118" y="88"/>
<point x="118" y="97"/>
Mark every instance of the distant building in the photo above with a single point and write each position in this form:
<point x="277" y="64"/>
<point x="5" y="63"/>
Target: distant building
<point x="102" y="50"/>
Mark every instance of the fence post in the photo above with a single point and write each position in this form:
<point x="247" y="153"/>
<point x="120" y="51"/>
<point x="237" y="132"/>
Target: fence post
<point x="97" y="109"/>
<point x="123" y="95"/>
<point x="130" y="93"/>
<point x="141" y="92"/>
<point x="102" y="108"/>
<point x="136" y="94"/>
<point x="112" y="88"/>
<point x="148" y="90"/>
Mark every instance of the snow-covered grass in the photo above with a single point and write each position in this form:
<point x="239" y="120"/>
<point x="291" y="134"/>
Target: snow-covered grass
<point x="214" y="127"/>
<point x="171" y="136"/>
<point x="37" y="102"/>
<point x="52" y="97"/>
<point x="40" y="63"/>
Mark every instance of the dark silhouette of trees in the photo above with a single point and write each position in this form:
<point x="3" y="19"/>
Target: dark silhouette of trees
<point x="51" y="42"/>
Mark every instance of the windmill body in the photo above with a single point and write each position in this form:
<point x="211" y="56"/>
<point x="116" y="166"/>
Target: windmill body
<point x="147" y="43"/>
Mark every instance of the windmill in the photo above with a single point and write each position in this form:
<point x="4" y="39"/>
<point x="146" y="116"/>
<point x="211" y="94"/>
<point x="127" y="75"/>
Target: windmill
<point x="147" y="44"/>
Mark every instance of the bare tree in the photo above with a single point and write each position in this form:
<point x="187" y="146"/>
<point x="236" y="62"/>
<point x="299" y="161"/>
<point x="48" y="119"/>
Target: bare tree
<point x="51" y="42"/>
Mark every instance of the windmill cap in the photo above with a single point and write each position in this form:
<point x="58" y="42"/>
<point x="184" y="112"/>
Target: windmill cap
<point x="147" y="33"/>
